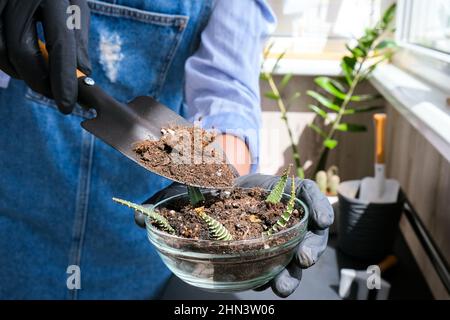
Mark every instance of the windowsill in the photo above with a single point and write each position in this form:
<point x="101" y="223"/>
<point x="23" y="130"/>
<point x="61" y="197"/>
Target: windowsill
<point x="306" y="56"/>
<point x="423" y="105"/>
<point x="305" y="67"/>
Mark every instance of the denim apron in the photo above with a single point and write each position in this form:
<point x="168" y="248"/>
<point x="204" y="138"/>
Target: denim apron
<point x="57" y="180"/>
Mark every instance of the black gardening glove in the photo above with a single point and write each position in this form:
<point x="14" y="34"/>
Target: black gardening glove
<point x="321" y="217"/>
<point x="20" y="56"/>
<point x="315" y="242"/>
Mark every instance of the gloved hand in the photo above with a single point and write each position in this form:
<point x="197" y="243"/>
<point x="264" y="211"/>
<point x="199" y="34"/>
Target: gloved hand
<point x="20" y="56"/>
<point x="310" y="249"/>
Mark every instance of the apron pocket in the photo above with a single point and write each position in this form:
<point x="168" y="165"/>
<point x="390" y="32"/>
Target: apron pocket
<point x="131" y="49"/>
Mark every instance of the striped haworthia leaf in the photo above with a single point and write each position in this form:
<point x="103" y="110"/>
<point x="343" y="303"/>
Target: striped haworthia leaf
<point x="216" y="230"/>
<point x="156" y="218"/>
<point x="284" y="219"/>
<point x="277" y="192"/>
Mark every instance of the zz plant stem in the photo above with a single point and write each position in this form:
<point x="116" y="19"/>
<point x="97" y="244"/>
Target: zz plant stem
<point x="295" y="153"/>
<point x="329" y="137"/>
<point x="275" y="94"/>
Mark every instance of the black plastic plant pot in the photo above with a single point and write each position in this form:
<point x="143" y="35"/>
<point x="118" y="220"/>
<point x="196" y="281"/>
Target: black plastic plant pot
<point x="226" y="266"/>
<point x="366" y="230"/>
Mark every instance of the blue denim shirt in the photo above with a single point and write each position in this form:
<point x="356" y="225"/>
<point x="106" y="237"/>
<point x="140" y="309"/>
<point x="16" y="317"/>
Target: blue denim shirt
<point x="200" y="58"/>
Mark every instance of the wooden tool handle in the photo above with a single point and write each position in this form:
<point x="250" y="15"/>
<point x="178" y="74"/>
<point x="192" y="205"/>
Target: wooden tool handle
<point x="45" y="55"/>
<point x="90" y="95"/>
<point x="388" y="263"/>
<point x="380" y="128"/>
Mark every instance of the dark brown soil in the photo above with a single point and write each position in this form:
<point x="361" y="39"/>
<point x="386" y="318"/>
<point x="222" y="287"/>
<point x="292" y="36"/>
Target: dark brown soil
<point x="243" y="212"/>
<point x="187" y="155"/>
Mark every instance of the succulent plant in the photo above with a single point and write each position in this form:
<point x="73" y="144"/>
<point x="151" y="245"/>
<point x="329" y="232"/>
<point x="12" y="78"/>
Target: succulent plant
<point x="284" y="219"/>
<point x="328" y="181"/>
<point x="333" y="184"/>
<point x="155" y="217"/>
<point x="216" y="230"/>
<point x="195" y="196"/>
<point x="322" y="181"/>
<point x="277" y="192"/>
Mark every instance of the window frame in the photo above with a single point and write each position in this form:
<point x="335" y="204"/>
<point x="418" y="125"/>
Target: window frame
<point x="429" y="64"/>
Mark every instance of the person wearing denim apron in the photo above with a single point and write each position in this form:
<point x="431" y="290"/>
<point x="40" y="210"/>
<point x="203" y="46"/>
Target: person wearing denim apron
<point x="57" y="180"/>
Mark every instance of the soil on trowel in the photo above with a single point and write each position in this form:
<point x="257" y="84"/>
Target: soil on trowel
<point x="187" y="155"/>
<point x="243" y="212"/>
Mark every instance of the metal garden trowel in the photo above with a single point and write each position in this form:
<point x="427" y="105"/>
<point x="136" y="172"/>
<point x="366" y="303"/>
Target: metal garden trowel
<point x="122" y="125"/>
<point x="378" y="189"/>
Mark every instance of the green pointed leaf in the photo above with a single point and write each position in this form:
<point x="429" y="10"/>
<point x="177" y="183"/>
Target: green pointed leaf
<point x="366" y="97"/>
<point x="217" y="231"/>
<point x="280" y="57"/>
<point x="372" y="68"/>
<point x="389" y="14"/>
<point x="277" y="192"/>
<point x="386" y="44"/>
<point x="329" y="86"/>
<point x="195" y="195"/>
<point x="268" y="49"/>
<point x="324" y="101"/>
<point x="357" y="51"/>
<point x="156" y="218"/>
<point x="350" y="127"/>
<point x="350" y="62"/>
<point x="330" y="143"/>
<point x="295" y="96"/>
<point x="292" y="99"/>
<point x="285" y="81"/>
<point x="285" y="217"/>
<point x="317" y="130"/>
<point x="318" y="111"/>
<point x="263" y="76"/>
<point x="347" y="69"/>
<point x="340" y="85"/>
<point x="272" y="96"/>
<point x="362" y="110"/>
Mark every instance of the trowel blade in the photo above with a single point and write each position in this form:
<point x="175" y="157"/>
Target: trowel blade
<point x="368" y="191"/>
<point x="123" y="125"/>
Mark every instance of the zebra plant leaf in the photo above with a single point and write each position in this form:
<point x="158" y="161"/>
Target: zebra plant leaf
<point x="156" y="218"/>
<point x="216" y="230"/>
<point x="195" y="196"/>
<point x="284" y="219"/>
<point x="277" y="192"/>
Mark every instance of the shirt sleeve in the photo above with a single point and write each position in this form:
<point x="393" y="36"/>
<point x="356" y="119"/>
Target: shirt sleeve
<point x="222" y="77"/>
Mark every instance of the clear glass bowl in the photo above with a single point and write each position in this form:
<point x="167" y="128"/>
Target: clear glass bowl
<point x="226" y="266"/>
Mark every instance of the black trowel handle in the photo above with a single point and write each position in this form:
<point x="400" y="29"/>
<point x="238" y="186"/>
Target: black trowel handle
<point x="89" y="94"/>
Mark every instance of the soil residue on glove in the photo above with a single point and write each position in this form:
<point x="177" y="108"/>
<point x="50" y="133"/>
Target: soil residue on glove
<point x="243" y="212"/>
<point x="187" y="155"/>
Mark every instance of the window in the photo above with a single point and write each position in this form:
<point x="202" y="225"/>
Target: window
<point x="423" y="32"/>
<point x="320" y="26"/>
<point x="429" y="24"/>
<point x="330" y="18"/>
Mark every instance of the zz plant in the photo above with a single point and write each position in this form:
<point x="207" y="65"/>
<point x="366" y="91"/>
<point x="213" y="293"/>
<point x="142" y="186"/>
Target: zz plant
<point x="361" y="61"/>
<point x="339" y="99"/>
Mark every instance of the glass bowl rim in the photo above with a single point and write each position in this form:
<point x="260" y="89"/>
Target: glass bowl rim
<point x="166" y="235"/>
